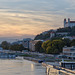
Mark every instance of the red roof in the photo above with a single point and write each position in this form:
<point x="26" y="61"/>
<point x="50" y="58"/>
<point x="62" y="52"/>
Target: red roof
<point x="72" y="21"/>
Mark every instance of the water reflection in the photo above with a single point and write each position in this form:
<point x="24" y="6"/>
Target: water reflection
<point x="32" y="67"/>
<point x="20" y="67"/>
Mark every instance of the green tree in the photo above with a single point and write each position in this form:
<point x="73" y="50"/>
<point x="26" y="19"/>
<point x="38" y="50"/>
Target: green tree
<point x="38" y="47"/>
<point x="67" y="29"/>
<point x="73" y="42"/>
<point x="5" y="45"/>
<point x="53" y="47"/>
<point x="72" y="33"/>
<point x="66" y="42"/>
<point x="45" y="45"/>
<point x="49" y="50"/>
<point x="17" y="47"/>
<point x="58" y="45"/>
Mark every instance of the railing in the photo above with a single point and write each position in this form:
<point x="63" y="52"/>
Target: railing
<point x="55" y="70"/>
<point x="59" y="71"/>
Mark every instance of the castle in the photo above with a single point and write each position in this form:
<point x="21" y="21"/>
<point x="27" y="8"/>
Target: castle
<point x="69" y="23"/>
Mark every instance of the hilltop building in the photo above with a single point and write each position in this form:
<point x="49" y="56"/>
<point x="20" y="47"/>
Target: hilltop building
<point x="52" y="34"/>
<point x="62" y="33"/>
<point x="69" y="23"/>
<point x="69" y="37"/>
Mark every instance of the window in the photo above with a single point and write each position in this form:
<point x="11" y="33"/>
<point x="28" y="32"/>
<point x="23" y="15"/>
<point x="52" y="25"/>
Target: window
<point x="72" y="49"/>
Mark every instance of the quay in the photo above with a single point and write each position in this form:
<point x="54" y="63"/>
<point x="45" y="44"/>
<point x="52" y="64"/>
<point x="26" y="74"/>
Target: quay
<point x="53" y="68"/>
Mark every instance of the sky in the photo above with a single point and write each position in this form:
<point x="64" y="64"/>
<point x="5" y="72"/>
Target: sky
<point x="26" y="18"/>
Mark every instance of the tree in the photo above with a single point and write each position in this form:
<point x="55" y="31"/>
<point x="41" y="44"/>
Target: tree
<point x="72" y="33"/>
<point x="67" y="29"/>
<point x="57" y="45"/>
<point x="45" y="45"/>
<point x="73" y="42"/>
<point x="49" y="50"/>
<point x="17" y="47"/>
<point x="38" y="47"/>
<point x="53" y="47"/>
<point x="5" y="45"/>
<point x="66" y="42"/>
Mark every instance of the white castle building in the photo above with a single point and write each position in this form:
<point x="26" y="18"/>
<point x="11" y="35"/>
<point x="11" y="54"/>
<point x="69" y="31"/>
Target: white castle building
<point x="69" y="23"/>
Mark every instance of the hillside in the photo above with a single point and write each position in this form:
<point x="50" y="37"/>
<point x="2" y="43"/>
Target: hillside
<point x="45" y="35"/>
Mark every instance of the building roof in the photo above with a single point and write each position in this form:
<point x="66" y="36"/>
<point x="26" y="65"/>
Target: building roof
<point x="72" y="21"/>
<point x="66" y="22"/>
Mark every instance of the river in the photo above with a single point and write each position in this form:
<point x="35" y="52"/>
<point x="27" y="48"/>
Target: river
<point x="21" y="67"/>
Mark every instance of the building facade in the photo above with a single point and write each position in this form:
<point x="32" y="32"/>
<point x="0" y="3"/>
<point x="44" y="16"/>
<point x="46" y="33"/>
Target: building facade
<point x="69" y="23"/>
<point x="69" y="37"/>
<point x="69" y="51"/>
<point x="26" y="42"/>
<point x="32" y="44"/>
<point x="52" y="34"/>
<point x="62" y="33"/>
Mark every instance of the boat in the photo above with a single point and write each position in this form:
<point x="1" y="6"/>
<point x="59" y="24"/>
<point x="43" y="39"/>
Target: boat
<point x="40" y="61"/>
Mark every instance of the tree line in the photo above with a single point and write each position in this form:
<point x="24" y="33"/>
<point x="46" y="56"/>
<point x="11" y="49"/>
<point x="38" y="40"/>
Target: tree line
<point x="8" y="46"/>
<point x="53" y="46"/>
<point x="50" y="46"/>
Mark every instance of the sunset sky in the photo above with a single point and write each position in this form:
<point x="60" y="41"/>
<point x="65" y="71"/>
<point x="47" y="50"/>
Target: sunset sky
<point x="27" y="18"/>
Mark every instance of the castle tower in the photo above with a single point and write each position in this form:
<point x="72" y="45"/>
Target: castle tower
<point x="65" y="22"/>
<point x="68" y="22"/>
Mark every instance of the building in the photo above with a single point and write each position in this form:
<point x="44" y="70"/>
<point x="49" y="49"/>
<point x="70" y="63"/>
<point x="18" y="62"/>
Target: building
<point x="1" y="48"/>
<point x="52" y="34"/>
<point x="69" y="23"/>
<point x="69" y="51"/>
<point x="26" y="42"/>
<point x="69" y="37"/>
<point x="32" y="44"/>
<point x="62" y="33"/>
<point x="69" y="65"/>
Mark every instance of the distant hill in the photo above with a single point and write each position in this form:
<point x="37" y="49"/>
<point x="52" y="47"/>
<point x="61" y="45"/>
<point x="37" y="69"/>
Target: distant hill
<point x="42" y="36"/>
<point x="46" y="35"/>
<point x="67" y="29"/>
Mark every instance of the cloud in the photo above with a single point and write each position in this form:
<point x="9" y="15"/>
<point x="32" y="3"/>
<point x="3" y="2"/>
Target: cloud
<point x="22" y="23"/>
<point x="31" y="17"/>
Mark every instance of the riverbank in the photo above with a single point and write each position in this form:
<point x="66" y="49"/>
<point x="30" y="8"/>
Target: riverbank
<point x="31" y="59"/>
<point x="52" y="67"/>
<point x="55" y="69"/>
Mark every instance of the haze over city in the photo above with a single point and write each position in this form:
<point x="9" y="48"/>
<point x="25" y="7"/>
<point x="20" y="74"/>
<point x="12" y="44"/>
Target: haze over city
<point x="27" y="18"/>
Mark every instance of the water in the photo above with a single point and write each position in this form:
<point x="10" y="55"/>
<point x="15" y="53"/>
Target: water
<point x="21" y="67"/>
